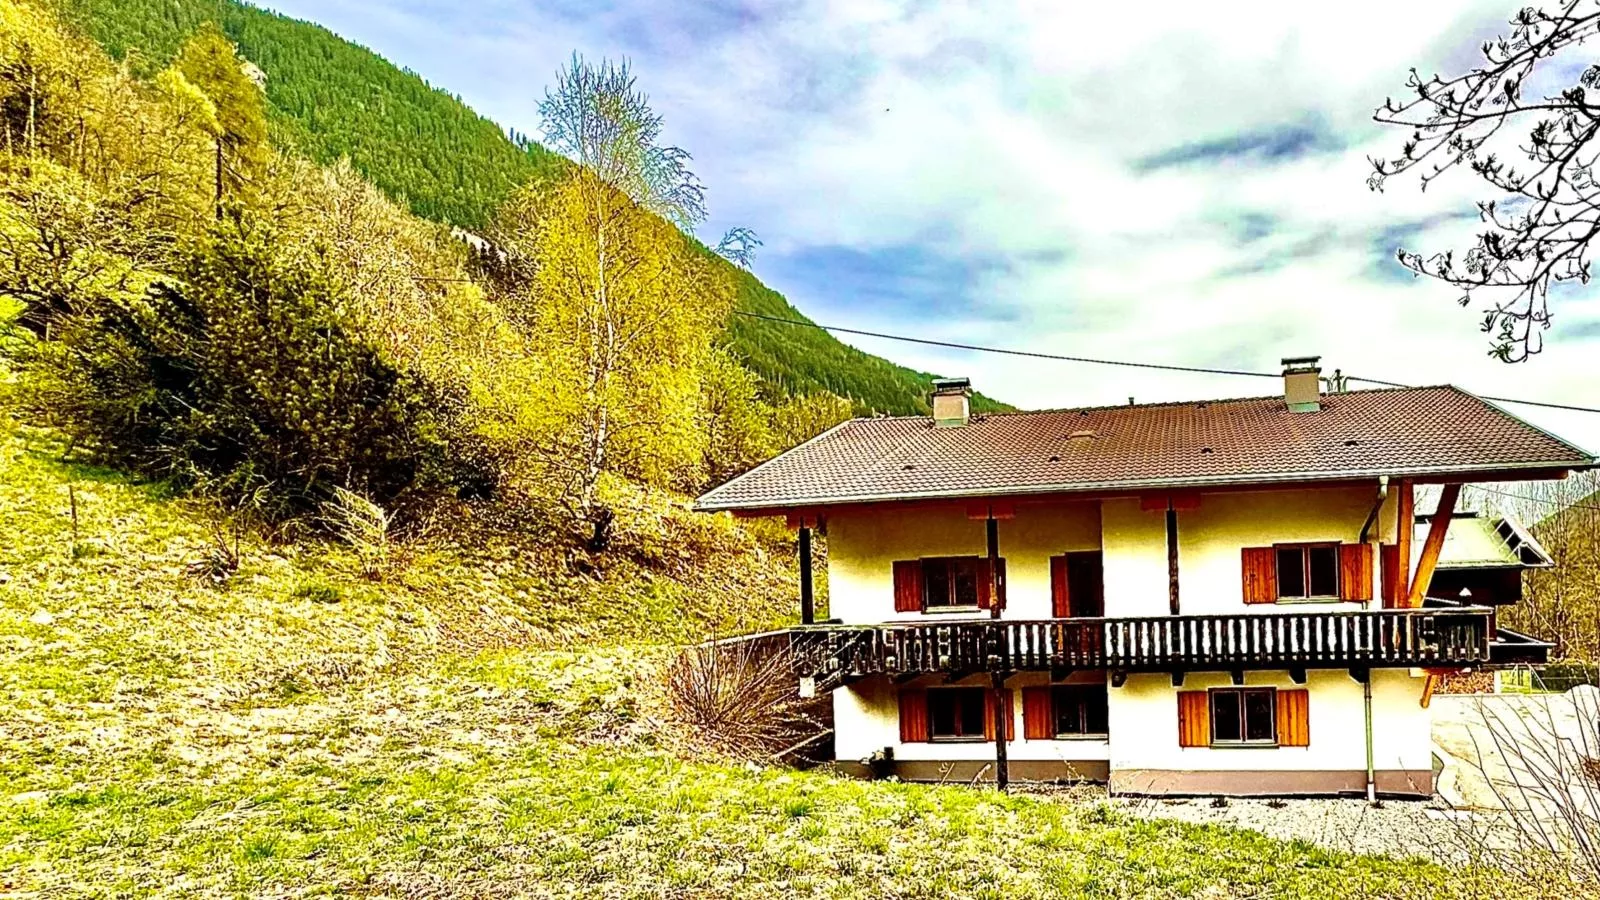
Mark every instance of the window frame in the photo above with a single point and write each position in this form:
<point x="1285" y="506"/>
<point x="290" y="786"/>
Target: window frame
<point x="1056" y="692"/>
<point x="1304" y="549"/>
<point x="952" y="692"/>
<point x="1244" y="741"/>
<point x="949" y="562"/>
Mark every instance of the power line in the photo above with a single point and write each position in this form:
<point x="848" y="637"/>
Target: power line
<point x="1007" y="351"/>
<point x="1556" y="503"/>
<point x="1546" y="405"/>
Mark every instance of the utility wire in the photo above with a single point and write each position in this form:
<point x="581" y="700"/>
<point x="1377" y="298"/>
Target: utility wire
<point x="1545" y="500"/>
<point x="1118" y="362"/>
<point x="1008" y="351"/>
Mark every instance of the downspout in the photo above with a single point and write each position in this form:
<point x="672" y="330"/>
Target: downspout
<point x="1366" y="700"/>
<point x="1366" y="686"/>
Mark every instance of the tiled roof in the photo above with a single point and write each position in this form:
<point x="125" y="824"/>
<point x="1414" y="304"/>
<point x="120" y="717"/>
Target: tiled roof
<point x="1403" y="431"/>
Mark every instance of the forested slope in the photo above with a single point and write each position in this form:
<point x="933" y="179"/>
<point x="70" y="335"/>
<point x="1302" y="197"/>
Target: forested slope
<point x="331" y="98"/>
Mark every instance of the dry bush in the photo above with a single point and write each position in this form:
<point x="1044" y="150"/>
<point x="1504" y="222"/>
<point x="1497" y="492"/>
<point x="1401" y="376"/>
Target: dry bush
<point x="1538" y="757"/>
<point x="741" y="698"/>
<point x="364" y="526"/>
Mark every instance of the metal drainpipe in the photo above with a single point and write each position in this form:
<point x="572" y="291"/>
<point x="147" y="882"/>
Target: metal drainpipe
<point x="1366" y="686"/>
<point x="1372" y="775"/>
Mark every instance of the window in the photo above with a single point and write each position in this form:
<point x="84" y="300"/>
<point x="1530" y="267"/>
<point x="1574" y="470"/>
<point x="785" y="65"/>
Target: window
<point x="1308" y="571"/>
<point x="956" y="714"/>
<point x="1244" y="716"/>
<point x="1079" y="711"/>
<point x="951" y="581"/>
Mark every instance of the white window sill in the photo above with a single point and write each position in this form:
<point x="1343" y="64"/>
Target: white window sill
<point x="1244" y="745"/>
<point x="952" y="610"/>
<point x="1082" y="737"/>
<point x="1311" y="601"/>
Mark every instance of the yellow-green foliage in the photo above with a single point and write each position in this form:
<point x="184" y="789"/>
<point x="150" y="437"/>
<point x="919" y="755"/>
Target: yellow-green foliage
<point x="237" y="108"/>
<point x="619" y="311"/>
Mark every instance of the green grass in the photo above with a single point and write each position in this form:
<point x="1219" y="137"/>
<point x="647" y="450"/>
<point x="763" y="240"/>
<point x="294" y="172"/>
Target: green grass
<point x="482" y="723"/>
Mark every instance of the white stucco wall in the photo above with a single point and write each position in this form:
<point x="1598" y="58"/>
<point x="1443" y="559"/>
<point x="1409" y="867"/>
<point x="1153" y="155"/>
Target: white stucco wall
<point x="867" y="719"/>
<point x="1144" y="725"/>
<point x="864" y="544"/>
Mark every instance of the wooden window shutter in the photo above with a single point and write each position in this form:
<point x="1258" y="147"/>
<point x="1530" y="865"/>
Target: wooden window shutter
<point x="1355" y="571"/>
<point x="1194" y="719"/>
<point x="1294" y="718"/>
<point x="1389" y="573"/>
<point x="907" y="585"/>
<point x="983" y="583"/>
<point x="1060" y="602"/>
<point x="913" y="716"/>
<point x="988" y="716"/>
<point x="1038" y="719"/>
<point x="1260" y="575"/>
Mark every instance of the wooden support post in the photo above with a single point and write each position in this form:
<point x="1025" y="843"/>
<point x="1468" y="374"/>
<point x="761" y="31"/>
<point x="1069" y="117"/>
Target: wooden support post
<point x="1405" y="522"/>
<point x="992" y="532"/>
<point x="1119" y="677"/>
<point x="1172" y="558"/>
<point x="808" y="609"/>
<point x="1177" y="678"/>
<point x="1298" y="675"/>
<point x="1002" y="769"/>
<point x="1430" y="549"/>
<point x="1427" y="689"/>
<point x="1238" y="676"/>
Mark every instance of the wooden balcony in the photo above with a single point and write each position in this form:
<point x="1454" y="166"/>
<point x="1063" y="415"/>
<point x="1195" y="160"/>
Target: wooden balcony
<point x="1297" y="640"/>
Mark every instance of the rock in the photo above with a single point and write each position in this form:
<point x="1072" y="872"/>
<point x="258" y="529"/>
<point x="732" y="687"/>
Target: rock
<point x="42" y="617"/>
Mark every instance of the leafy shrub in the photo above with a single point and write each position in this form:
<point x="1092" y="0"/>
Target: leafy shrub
<point x="242" y="373"/>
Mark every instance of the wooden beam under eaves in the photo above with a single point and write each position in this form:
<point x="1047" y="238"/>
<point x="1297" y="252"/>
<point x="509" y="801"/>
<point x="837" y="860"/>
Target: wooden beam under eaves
<point x="1437" y="528"/>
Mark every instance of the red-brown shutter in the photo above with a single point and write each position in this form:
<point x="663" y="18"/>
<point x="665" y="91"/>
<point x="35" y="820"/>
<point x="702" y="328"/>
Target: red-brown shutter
<point x="1389" y="569"/>
<point x="1260" y="575"/>
<point x="1060" y="602"/>
<point x="983" y="582"/>
<point x="908" y="585"/>
<point x="988" y="716"/>
<point x="1194" y="719"/>
<point x="1355" y="571"/>
<point x="1038" y="719"/>
<point x="913" y="716"/>
<point x="1001" y="563"/>
<point x="1294" y="718"/>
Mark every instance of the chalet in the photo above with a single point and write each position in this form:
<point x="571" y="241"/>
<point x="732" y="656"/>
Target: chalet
<point x="1214" y="597"/>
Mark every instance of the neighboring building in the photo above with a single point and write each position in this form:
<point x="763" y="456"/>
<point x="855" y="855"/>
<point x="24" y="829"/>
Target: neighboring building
<point x="1200" y="597"/>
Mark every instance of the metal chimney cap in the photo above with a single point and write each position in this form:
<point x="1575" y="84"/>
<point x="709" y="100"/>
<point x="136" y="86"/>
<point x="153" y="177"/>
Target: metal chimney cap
<point x="942" y="385"/>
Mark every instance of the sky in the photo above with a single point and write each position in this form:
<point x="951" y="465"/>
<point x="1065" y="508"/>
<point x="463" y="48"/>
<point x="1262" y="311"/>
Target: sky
<point x="1179" y="183"/>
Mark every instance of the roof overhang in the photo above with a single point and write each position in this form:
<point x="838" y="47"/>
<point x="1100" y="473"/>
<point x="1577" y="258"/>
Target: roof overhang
<point x="1097" y="490"/>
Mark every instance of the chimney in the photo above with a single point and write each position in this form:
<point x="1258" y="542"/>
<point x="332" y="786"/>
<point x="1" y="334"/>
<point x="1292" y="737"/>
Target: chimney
<point x="952" y="402"/>
<point x="1302" y="383"/>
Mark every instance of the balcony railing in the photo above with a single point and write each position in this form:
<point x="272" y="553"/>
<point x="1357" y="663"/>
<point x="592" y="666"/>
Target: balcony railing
<point x="1368" y="639"/>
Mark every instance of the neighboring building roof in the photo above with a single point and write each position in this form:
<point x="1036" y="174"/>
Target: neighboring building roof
<point x="1486" y="542"/>
<point x="1397" y="432"/>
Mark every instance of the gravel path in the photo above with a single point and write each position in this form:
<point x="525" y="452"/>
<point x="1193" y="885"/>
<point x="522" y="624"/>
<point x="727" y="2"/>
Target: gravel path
<point x="1399" y="827"/>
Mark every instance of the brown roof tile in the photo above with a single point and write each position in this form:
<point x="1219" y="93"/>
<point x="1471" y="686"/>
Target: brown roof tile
<point x="1405" y="431"/>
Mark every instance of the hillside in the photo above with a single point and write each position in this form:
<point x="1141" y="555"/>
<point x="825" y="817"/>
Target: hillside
<point x="331" y="98"/>
<point x="481" y="722"/>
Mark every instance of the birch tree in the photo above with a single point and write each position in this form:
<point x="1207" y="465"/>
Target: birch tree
<point x="623" y="305"/>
